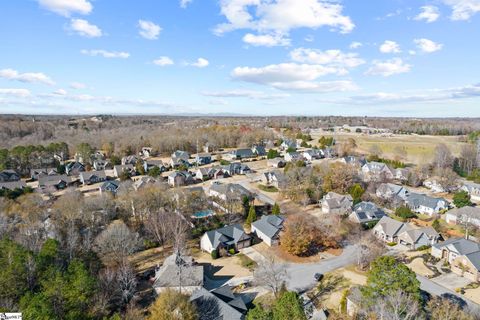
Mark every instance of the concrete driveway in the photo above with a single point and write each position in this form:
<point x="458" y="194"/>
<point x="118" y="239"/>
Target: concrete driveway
<point x="451" y="281"/>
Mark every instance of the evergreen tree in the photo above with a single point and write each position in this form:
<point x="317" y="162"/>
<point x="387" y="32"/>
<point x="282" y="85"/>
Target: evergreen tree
<point x="252" y="215"/>
<point x="276" y="209"/>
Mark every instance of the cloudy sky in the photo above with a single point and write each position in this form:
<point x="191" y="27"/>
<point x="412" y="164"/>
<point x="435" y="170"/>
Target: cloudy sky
<point x="257" y="57"/>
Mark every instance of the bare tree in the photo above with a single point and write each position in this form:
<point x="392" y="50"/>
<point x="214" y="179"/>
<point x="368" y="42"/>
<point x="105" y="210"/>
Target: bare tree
<point x="369" y="248"/>
<point x="468" y="158"/>
<point x="127" y="282"/>
<point x="271" y="274"/>
<point x="396" y="306"/>
<point x="116" y="242"/>
<point x="443" y="156"/>
<point x="447" y="178"/>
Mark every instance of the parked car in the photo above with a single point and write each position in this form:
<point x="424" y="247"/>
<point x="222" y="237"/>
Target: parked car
<point x="318" y="277"/>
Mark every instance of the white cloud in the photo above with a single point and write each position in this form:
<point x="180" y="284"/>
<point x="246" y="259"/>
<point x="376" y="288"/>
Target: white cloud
<point x="85" y="29"/>
<point x="463" y="9"/>
<point x="329" y="57"/>
<point x="163" y="61"/>
<point x="389" y="67"/>
<point x="309" y="38"/>
<point x="77" y="85"/>
<point x="355" y="45"/>
<point x="242" y="93"/>
<point x="148" y="29"/>
<point x="428" y="46"/>
<point x="200" y="63"/>
<point x="266" y="40"/>
<point x="432" y="95"/>
<point x="31" y="77"/>
<point x="60" y="92"/>
<point x="281" y="16"/>
<point x="390" y="47"/>
<point x="294" y="77"/>
<point x="106" y="54"/>
<point x="67" y="7"/>
<point x="15" y="92"/>
<point x="429" y="14"/>
<point x="317" y="87"/>
<point x="185" y="3"/>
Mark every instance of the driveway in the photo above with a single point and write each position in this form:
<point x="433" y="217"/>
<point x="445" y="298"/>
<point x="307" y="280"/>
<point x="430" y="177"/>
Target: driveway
<point x="451" y="281"/>
<point x="300" y="276"/>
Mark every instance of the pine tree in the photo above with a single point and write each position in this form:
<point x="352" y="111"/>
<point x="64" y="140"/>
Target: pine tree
<point x="252" y="215"/>
<point x="276" y="209"/>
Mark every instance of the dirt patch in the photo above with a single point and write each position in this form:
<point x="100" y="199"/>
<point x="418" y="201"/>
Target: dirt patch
<point x="418" y="266"/>
<point x="334" y="252"/>
<point x="351" y="278"/>
<point x="473" y="294"/>
<point x="287" y="257"/>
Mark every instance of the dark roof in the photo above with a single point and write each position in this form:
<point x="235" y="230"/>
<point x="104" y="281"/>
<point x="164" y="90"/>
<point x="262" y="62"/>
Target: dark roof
<point x="211" y="306"/>
<point x="175" y="266"/>
<point x="417" y="199"/>
<point x="461" y="245"/>
<point x="89" y="174"/>
<point x="243" y="153"/>
<point x="474" y="258"/>
<point x="230" y="234"/>
<point x="12" y="185"/>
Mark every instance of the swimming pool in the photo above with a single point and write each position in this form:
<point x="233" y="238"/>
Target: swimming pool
<point x="203" y="214"/>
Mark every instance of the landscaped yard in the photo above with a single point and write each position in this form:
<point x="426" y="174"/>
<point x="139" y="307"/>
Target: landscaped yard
<point x="267" y="188"/>
<point x="225" y="266"/>
<point x="418" y="266"/>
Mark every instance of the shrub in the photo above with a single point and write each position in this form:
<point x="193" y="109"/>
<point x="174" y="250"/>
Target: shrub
<point x="231" y="251"/>
<point x="391" y="244"/>
<point x="424" y="247"/>
<point x="405" y="213"/>
<point x="214" y="254"/>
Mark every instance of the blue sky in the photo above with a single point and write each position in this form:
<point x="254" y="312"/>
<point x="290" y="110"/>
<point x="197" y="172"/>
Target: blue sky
<point x="257" y="57"/>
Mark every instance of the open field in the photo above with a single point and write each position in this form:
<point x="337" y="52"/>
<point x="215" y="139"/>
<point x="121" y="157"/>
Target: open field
<point x="414" y="148"/>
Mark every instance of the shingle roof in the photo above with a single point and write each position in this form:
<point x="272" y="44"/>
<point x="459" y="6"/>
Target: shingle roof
<point x="230" y="234"/>
<point x="392" y="227"/>
<point x="474" y="258"/>
<point x="88" y="174"/>
<point x="269" y="225"/>
<point x="212" y="307"/>
<point x="12" y="185"/>
<point x="471" y="212"/>
<point x="178" y="269"/>
<point x="461" y="245"/>
<point x="417" y="199"/>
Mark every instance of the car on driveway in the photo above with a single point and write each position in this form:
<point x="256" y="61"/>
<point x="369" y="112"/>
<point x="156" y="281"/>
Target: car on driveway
<point x="318" y="276"/>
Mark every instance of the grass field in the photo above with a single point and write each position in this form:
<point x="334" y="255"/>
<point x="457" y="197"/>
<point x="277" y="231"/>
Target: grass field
<point x="411" y="148"/>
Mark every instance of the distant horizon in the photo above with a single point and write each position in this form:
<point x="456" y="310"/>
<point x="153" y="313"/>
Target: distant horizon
<point x="255" y="57"/>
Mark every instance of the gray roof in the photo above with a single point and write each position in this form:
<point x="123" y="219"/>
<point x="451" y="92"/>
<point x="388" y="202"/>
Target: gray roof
<point x="474" y="258"/>
<point x="88" y="174"/>
<point x="391" y="227"/>
<point x="414" y="234"/>
<point x="178" y="269"/>
<point x="179" y="154"/>
<point x="376" y="166"/>
<point x="12" y="185"/>
<point x="231" y="190"/>
<point x="111" y="184"/>
<point x="471" y="212"/>
<point x="417" y="199"/>
<point x="54" y="179"/>
<point x="259" y="150"/>
<point x="230" y="234"/>
<point x="9" y="175"/>
<point x="367" y="211"/>
<point x="461" y="245"/>
<point x="269" y="225"/>
<point x="243" y="153"/>
<point x="393" y="188"/>
<point x="119" y="168"/>
<point x="210" y="306"/>
<point x="471" y="186"/>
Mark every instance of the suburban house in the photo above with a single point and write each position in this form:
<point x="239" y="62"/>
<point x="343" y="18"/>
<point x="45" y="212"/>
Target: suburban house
<point x="463" y="256"/>
<point x="365" y="212"/>
<point x="226" y="238"/>
<point x="390" y="191"/>
<point x="235" y="168"/>
<point x="268" y="229"/>
<point x="275" y="178"/>
<point x="293" y="156"/>
<point x="289" y="144"/>
<point x="210" y="173"/>
<point x="57" y="182"/>
<point x="146" y="152"/>
<point x="240" y="154"/>
<point x="434" y="185"/>
<point x="229" y="191"/>
<point x="276" y="163"/>
<point x="220" y="303"/>
<point x="180" y="178"/>
<point x="312" y="154"/>
<point x="422" y="203"/>
<point x="74" y="168"/>
<point x="180" y="158"/>
<point x="335" y="203"/>
<point x="259" y="150"/>
<point x="12" y="185"/>
<point x="376" y="170"/>
<point x="179" y="272"/>
<point x="203" y="158"/>
<point x="132" y="159"/>
<point x="150" y="164"/>
<point x="390" y="230"/>
<point x="473" y="190"/>
<point x="354" y="161"/>
<point x="91" y="177"/>
<point x="401" y="174"/>
<point x="109" y="186"/>
<point x="143" y="182"/>
<point x="470" y="215"/>
<point x="330" y="152"/>
<point x="36" y="173"/>
<point x="99" y="165"/>
<point x="119" y="169"/>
